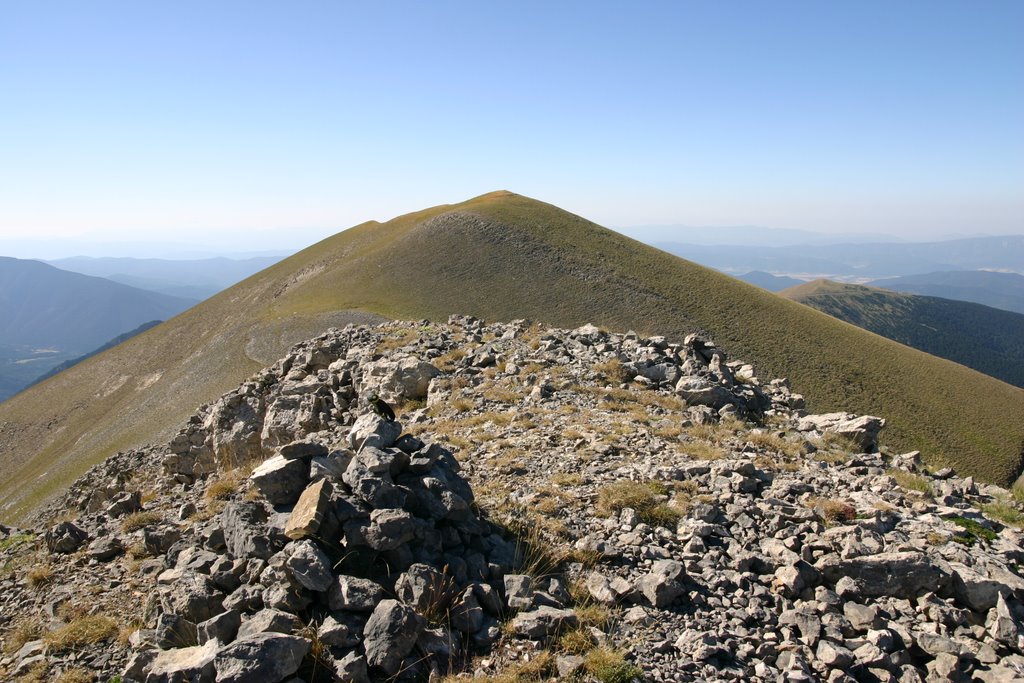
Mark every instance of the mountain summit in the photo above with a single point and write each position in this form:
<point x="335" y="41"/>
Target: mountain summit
<point x="500" y="256"/>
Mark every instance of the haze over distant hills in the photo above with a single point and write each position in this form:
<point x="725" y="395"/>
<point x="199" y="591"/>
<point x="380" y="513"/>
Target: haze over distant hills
<point x="194" y="279"/>
<point x="773" y="283"/>
<point x="987" y="339"/>
<point x="500" y="256"/>
<point x="51" y="315"/>
<point x="867" y="261"/>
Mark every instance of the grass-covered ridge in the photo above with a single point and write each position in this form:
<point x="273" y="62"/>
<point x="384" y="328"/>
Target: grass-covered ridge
<point x="984" y="338"/>
<point x="500" y="256"/>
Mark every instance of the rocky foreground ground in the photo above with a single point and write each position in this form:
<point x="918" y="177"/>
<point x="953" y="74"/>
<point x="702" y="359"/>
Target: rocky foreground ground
<point x="549" y="503"/>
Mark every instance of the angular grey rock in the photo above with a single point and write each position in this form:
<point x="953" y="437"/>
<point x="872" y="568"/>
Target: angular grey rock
<point x="370" y="431"/>
<point x="193" y="597"/>
<point x="263" y="658"/>
<point x="1003" y="626"/>
<point x="421" y="586"/>
<point x="390" y="635"/>
<point x="352" y="668"/>
<point x="182" y="664"/>
<point x="662" y="585"/>
<point x="354" y="594"/>
<point x="408" y="378"/>
<point x="543" y="622"/>
<point x="466" y="614"/>
<point x="980" y="592"/>
<point x="124" y="503"/>
<point x="281" y="481"/>
<point x="697" y="391"/>
<point x="65" y="538"/>
<point x="862" y="430"/>
<point x="269" y="621"/>
<point x="898" y="575"/>
<point x="175" y="631"/>
<point x="389" y="528"/>
<point x="223" y="627"/>
<point x="519" y="591"/>
<point x="302" y="448"/>
<point x="245" y="530"/>
<point x="310" y="566"/>
<point x="105" y="549"/>
<point x="335" y="633"/>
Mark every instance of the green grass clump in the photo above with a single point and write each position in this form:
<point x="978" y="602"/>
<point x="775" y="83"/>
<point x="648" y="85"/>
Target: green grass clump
<point x="972" y="532"/>
<point x="911" y="481"/>
<point x="1006" y="512"/>
<point x="16" y="539"/>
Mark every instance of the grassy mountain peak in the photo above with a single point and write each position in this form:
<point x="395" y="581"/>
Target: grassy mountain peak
<point x="499" y="256"/>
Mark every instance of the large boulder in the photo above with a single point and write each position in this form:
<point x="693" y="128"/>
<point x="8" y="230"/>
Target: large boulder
<point x="862" y="430"/>
<point x="391" y="634"/>
<point x="280" y="480"/>
<point x="898" y="575"/>
<point x="407" y="378"/>
<point x="65" y="538"/>
<point x="245" y="530"/>
<point x="262" y="658"/>
<point x="234" y="425"/>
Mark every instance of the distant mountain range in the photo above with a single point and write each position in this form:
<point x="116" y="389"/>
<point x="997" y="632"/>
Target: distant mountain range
<point x="987" y="339"/>
<point x="500" y="256"/>
<point x="869" y="261"/>
<point x="51" y="315"/>
<point x="192" y="279"/>
<point x="999" y="290"/>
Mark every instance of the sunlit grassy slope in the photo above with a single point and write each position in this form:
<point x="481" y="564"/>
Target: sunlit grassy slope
<point x="499" y="256"/>
<point x="987" y="339"/>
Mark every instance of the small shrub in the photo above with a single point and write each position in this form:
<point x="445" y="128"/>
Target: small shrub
<point x="140" y="520"/>
<point x="833" y="511"/>
<point x="83" y="631"/>
<point x="610" y="666"/>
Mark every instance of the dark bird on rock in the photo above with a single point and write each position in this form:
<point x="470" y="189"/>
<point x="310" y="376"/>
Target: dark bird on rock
<point x="381" y="408"/>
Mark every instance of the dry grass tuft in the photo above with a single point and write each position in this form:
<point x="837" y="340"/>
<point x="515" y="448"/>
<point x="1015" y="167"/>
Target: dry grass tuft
<point x="39" y="576"/>
<point x="140" y="520"/>
<point x="644" y="497"/>
<point x="87" y="630"/>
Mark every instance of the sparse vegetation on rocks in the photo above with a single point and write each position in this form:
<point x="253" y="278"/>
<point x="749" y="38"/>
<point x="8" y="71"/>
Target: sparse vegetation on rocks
<point x="516" y="524"/>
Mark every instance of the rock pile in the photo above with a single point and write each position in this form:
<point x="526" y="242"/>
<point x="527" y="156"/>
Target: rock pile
<point x="678" y="519"/>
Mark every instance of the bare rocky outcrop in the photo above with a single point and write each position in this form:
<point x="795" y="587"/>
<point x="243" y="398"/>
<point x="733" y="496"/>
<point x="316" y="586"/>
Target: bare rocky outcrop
<point x="591" y="491"/>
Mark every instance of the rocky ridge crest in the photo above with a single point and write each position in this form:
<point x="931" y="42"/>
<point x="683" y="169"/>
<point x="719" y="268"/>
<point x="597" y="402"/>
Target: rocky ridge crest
<point x="574" y="503"/>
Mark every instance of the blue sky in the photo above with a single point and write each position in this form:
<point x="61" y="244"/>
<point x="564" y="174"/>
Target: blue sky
<point x="260" y="124"/>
